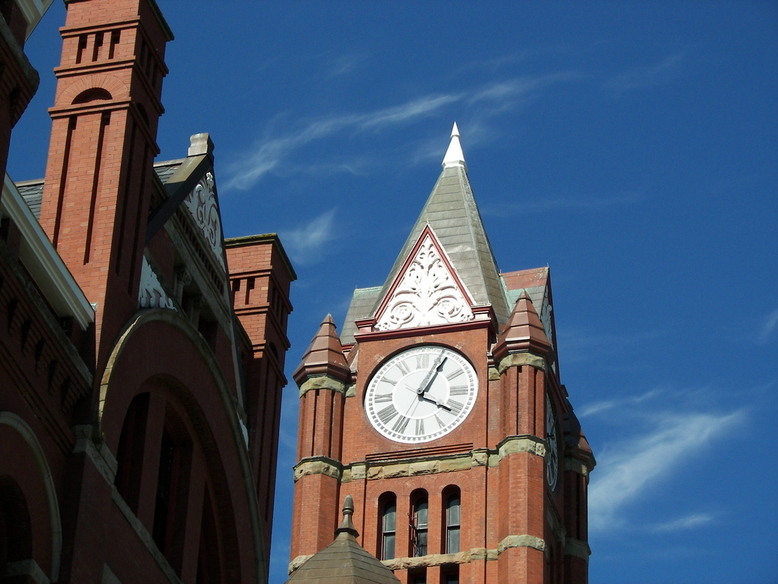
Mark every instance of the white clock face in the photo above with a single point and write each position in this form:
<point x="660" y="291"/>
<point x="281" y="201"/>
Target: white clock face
<point x="421" y="394"/>
<point x="552" y="453"/>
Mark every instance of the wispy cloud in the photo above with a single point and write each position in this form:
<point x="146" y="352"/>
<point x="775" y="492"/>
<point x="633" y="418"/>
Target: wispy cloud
<point x="306" y="243"/>
<point x="277" y="149"/>
<point x="641" y="77"/>
<point x="547" y="204"/>
<point x="683" y="523"/>
<point x="626" y="472"/>
<point x="605" y="405"/>
<point x="769" y="326"/>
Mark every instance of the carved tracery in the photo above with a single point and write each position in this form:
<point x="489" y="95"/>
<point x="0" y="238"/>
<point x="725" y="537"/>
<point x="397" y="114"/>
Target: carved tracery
<point x="427" y="293"/>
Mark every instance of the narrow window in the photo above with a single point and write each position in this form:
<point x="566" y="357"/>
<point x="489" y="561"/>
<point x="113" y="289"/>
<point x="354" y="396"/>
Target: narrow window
<point x="450" y="574"/>
<point x="388" y="527"/>
<point x="453" y="511"/>
<point x="130" y="453"/>
<point x="164" y="488"/>
<point x="419" y="526"/>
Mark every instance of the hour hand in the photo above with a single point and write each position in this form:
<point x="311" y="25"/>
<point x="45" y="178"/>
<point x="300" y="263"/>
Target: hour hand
<point x="436" y="402"/>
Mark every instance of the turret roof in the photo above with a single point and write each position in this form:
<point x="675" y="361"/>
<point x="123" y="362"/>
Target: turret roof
<point x="344" y="561"/>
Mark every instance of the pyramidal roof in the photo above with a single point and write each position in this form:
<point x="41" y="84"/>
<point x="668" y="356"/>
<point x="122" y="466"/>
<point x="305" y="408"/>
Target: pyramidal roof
<point x="452" y="214"/>
<point x="344" y="561"/>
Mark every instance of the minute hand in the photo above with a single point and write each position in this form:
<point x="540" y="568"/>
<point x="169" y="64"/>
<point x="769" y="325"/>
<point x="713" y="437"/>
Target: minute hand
<point x="428" y="379"/>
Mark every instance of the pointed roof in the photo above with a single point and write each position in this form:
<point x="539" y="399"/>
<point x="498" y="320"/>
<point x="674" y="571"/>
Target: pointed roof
<point x="524" y="331"/>
<point x="344" y="561"/>
<point x="452" y="213"/>
<point x="324" y="355"/>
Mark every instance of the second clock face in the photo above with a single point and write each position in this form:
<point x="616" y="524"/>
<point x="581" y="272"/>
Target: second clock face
<point x="421" y="394"/>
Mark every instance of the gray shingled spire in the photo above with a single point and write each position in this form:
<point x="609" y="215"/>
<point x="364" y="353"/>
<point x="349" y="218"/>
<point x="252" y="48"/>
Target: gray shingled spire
<point x="453" y="215"/>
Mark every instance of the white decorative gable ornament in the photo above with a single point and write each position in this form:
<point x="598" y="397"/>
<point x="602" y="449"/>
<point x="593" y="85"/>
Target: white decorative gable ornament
<point x="426" y="292"/>
<point x="201" y="203"/>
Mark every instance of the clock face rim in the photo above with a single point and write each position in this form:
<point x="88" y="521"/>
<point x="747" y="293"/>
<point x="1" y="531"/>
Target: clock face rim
<point x="435" y="401"/>
<point x="552" y="447"/>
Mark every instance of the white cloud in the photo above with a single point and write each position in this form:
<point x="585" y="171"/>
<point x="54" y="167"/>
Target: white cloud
<point x="545" y="204"/>
<point x="277" y="149"/>
<point x="306" y="244"/>
<point x="626" y="472"/>
<point x="640" y="77"/>
<point x="605" y="405"/>
<point x="683" y="523"/>
<point x="769" y="326"/>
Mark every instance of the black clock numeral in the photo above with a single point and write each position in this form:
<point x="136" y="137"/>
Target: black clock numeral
<point x="419" y="427"/>
<point x="403" y="367"/>
<point x="458" y="390"/>
<point x="382" y="398"/>
<point x="422" y="361"/>
<point x="455" y="406"/>
<point x="401" y="424"/>
<point x="454" y="374"/>
<point x="387" y="413"/>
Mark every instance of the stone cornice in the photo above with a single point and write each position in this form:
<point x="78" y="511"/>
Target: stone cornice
<point x="319" y="465"/>
<point x="322" y="382"/>
<point x="521" y="359"/>
<point x="428" y="465"/>
<point x="576" y="465"/>
<point x="577" y="548"/>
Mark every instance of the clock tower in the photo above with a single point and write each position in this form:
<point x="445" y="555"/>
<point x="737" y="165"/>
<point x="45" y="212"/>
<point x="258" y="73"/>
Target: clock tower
<point x="439" y="409"/>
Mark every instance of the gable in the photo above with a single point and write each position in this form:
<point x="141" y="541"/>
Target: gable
<point x="427" y="291"/>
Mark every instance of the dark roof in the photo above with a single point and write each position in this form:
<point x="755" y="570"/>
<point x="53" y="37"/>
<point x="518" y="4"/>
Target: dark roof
<point x="344" y="561"/>
<point x="32" y="190"/>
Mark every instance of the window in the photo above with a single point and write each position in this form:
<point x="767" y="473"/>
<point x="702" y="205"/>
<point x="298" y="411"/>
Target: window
<point x="419" y="525"/>
<point x="453" y="511"/>
<point x="450" y="574"/>
<point x="388" y="528"/>
<point x="130" y="453"/>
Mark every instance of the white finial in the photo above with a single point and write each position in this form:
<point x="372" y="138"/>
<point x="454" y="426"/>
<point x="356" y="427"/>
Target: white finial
<point x="454" y="155"/>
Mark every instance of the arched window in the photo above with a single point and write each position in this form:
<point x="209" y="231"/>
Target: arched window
<point x="15" y="527"/>
<point x="452" y="503"/>
<point x="94" y="94"/>
<point x="419" y="523"/>
<point x="388" y="526"/>
<point x="175" y="460"/>
<point x="130" y="453"/>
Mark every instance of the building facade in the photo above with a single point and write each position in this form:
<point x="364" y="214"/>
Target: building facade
<point x="439" y="409"/>
<point x="141" y="353"/>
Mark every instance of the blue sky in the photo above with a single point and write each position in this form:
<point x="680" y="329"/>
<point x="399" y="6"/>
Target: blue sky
<point x="630" y="146"/>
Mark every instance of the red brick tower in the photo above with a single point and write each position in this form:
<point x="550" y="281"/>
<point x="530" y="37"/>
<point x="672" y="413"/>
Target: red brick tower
<point x="439" y="409"/>
<point x="103" y="142"/>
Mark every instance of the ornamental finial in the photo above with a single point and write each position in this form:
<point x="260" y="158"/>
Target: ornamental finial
<point x="454" y="155"/>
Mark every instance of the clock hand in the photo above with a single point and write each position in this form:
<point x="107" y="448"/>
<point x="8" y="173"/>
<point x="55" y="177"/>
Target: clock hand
<point x="437" y="366"/>
<point x="436" y="402"/>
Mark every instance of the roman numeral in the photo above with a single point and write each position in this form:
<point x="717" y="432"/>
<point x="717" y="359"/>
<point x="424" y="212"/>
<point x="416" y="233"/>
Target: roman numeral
<point x="422" y="361"/>
<point x="401" y="424"/>
<point x="455" y="406"/>
<point x="458" y="390"/>
<point x="419" y="427"/>
<point x="439" y="421"/>
<point x="387" y="414"/>
<point x="454" y="374"/>
<point x="391" y="382"/>
<point x="403" y="366"/>
<point x="383" y="398"/>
